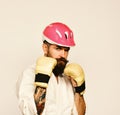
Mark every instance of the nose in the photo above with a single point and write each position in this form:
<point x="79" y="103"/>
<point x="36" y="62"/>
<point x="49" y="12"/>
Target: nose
<point x="63" y="54"/>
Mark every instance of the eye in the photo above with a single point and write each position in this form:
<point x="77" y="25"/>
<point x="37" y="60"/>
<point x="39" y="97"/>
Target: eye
<point x="58" y="48"/>
<point x="66" y="49"/>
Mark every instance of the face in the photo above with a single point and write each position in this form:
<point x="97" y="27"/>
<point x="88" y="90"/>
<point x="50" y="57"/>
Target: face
<point x="59" y="53"/>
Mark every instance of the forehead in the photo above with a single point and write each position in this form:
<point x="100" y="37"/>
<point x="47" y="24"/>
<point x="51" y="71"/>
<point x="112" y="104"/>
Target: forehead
<point x="61" y="47"/>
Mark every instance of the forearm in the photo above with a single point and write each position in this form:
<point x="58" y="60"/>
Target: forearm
<point x="80" y="104"/>
<point x="39" y="98"/>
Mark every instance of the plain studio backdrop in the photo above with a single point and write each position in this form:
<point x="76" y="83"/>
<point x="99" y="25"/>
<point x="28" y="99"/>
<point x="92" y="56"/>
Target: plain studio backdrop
<point x="96" y="27"/>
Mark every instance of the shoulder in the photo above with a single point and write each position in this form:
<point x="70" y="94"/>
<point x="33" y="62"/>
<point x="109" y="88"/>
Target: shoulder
<point x="29" y="72"/>
<point x="29" y="69"/>
<point x="27" y="75"/>
<point x="25" y="81"/>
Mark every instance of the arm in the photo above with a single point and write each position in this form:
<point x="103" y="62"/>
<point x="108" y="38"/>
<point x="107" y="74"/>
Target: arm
<point x="25" y="91"/>
<point x="39" y="97"/>
<point x="77" y="78"/>
<point x="80" y="104"/>
<point x="44" y="67"/>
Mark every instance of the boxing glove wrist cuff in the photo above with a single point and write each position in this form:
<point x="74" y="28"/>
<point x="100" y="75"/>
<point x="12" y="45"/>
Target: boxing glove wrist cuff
<point x="41" y="78"/>
<point x="81" y="88"/>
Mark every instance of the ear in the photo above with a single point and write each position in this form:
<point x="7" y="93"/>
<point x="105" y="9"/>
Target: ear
<point x="45" y="48"/>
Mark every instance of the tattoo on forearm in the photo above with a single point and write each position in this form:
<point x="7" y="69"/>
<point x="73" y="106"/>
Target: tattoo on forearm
<point x="39" y="97"/>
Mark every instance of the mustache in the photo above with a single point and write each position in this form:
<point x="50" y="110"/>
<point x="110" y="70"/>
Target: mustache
<point x="62" y="59"/>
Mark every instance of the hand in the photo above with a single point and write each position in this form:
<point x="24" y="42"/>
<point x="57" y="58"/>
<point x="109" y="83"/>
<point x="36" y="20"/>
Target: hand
<point x="74" y="83"/>
<point x="76" y="74"/>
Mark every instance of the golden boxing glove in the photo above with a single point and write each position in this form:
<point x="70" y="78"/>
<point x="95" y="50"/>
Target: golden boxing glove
<point x="43" y="71"/>
<point x="76" y="72"/>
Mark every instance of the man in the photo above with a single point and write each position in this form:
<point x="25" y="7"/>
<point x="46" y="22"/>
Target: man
<point x="58" y="90"/>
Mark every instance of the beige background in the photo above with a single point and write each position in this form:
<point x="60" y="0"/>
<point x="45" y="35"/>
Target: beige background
<point x="96" y="25"/>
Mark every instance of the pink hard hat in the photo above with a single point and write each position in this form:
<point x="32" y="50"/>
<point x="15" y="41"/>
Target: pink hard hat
<point x="60" y="34"/>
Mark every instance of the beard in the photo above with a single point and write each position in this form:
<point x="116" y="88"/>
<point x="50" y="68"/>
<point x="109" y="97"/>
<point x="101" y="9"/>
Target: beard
<point x="59" y="68"/>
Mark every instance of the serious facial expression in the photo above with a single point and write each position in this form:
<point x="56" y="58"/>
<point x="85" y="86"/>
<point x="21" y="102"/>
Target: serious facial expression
<point x="60" y="53"/>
